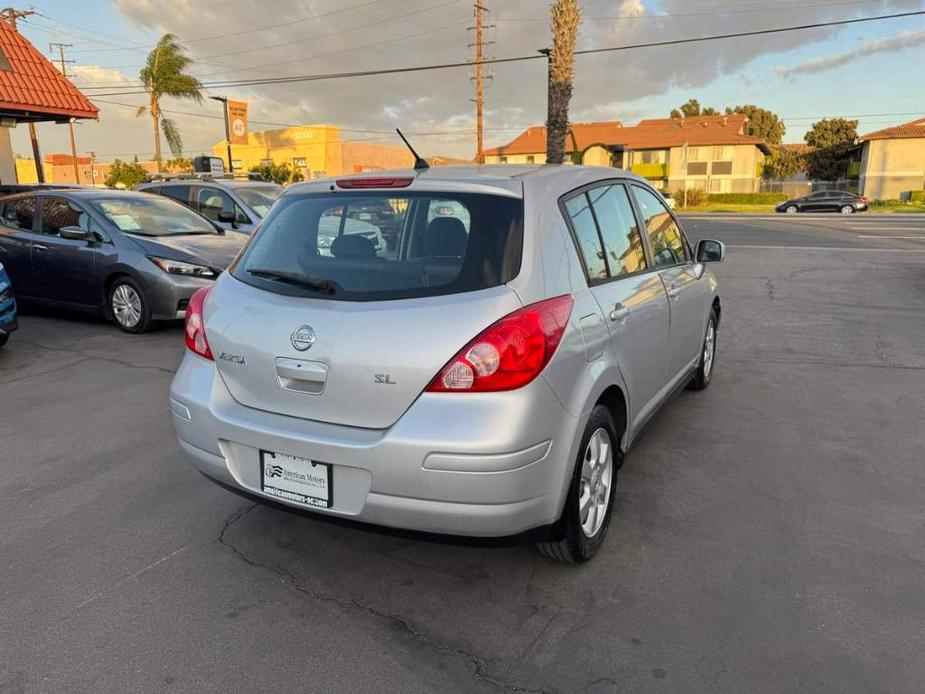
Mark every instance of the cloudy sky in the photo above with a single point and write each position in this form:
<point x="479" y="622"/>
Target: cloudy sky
<point x="869" y="70"/>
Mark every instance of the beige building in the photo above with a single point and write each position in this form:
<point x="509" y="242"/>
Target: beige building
<point x="893" y="161"/>
<point x="316" y="151"/>
<point x="711" y="153"/>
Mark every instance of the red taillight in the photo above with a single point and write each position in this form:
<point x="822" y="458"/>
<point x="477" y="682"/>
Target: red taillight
<point x="863" y="199"/>
<point x="508" y="354"/>
<point x="390" y="182"/>
<point x="196" y="326"/>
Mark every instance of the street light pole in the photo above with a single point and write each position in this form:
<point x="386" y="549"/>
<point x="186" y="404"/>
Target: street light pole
<point x="224" y="100"/>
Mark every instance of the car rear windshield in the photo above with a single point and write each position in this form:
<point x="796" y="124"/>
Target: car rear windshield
<point x="149" y="215"/>
<point x="385" y="245"/>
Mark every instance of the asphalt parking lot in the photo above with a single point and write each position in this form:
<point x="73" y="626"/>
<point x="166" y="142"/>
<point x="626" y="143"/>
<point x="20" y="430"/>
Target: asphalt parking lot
<point x="768" y="533"/>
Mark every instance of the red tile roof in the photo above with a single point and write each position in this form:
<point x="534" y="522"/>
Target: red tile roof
<point x="34" y="86"/>
<point x="914" y="128"/>
<point x="653" y="133"/>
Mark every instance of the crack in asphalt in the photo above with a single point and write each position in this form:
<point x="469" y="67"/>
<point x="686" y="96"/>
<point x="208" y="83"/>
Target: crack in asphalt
<point x="97" y="357"/>
<point x="479" y="669"/>
<point x="36" y="374"/>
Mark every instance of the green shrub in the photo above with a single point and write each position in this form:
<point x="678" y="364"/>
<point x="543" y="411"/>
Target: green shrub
<point x="748" y="198"/>
<point x="695" y="197"/>
<point x="125" y="175"/>
<point x="917" y="196"/>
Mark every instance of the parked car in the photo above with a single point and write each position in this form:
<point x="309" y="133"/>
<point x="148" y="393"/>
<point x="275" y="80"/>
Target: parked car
<point x="8" y="322"/>
<point x="825" y="201"/>
<point x="132" y="257"/>
<point x="351" y="383"/>
<point x="13" y="188"/>
<point x="236" y="205"/>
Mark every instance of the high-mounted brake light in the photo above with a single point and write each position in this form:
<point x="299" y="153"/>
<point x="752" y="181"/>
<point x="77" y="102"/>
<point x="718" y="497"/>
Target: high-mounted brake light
<point x="391" y="182"/>
<point x="508" y="354"/>
<point x="196" y="326"/>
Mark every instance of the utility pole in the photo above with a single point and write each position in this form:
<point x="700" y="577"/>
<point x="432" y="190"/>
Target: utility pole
<point x="70" y="123"/>
<point x="10" y="15"/>
<point x="479" y="77"/>
<point x="224" y="100"/>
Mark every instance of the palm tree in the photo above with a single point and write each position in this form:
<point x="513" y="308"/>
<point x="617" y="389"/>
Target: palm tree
<point x="565" y="20"/>
<point x="164" y="75"/>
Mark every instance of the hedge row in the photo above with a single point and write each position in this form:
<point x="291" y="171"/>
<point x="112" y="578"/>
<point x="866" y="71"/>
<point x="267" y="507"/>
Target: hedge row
<point x="917" y="196"/>
<point x="748" y="198"/>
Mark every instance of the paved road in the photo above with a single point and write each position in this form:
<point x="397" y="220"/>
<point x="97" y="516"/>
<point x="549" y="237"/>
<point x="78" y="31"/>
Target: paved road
<point x="896" y="231"/>
<point x="768" y="535"/>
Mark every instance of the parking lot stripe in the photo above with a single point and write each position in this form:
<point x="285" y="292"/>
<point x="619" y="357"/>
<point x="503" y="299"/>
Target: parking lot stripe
<point x="881" y="236"/>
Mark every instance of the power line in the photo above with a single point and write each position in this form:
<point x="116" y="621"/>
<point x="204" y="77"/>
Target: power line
<point x="523" y="58"/>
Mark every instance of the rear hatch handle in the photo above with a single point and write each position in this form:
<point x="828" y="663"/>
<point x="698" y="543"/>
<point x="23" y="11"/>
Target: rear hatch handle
<point x="302" y="376"/>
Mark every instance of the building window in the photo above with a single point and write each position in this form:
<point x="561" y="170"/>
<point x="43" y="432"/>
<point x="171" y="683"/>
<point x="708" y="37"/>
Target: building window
<point x="299" y="162"/>
<point x="722" y="168"/>
<point x="697" y="153"/>
<point x="722" y="153"/>
<point x="530" y="159"/>
<point x="697" y="168"/>
<point x="503" y="160"/>
<point x="652" y="156"/>
<point x="266" y="162"/>
<point x="720" y="185"/>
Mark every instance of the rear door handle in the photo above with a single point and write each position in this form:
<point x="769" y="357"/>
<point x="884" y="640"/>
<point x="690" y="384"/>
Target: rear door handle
<point x="39" y="247"/>
<point x="673" y="291"/>
<point x="619" y="313"/>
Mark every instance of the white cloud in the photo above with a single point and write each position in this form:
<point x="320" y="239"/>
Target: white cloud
<point x="901" y="41"/>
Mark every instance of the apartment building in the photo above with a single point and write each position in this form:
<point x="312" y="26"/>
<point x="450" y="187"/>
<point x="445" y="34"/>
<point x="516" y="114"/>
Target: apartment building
<point x="711" y="153"/>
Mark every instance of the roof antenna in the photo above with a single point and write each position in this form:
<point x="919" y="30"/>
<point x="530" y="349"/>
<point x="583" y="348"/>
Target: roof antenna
<point x="419" y="164"/>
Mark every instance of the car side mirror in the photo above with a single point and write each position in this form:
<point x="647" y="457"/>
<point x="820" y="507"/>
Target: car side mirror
<point x="709" y="251"/>
<point x="74" y="233"/>
<point x="227" y="218"/>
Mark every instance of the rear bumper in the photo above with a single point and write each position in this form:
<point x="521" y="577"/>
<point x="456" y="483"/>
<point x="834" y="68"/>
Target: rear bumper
<point x="474" y="464"/>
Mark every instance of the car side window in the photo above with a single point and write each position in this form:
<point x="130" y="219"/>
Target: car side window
<point x="589" y="241"/>
<point x="178" y="193"/>
<point x="622" y="241"/>
<point x="59" y="212"/>
<point x="20" y="214"/>
<point x="211" y="201"/>
<point x="665" y="237"/>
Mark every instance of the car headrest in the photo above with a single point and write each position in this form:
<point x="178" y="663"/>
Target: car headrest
<point x="446" y="237"/>
<point x="353" y="246"/>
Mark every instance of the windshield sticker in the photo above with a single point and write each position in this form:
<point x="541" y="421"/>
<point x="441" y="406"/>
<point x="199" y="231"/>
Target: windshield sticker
<point x="125" y="222"/>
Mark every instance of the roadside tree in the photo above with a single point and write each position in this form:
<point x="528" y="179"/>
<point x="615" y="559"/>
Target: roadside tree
<point x="831" y="140"/>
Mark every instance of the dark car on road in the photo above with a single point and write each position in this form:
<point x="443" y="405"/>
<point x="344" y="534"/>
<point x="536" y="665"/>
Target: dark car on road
<point x="825" y="201"/>
<point x="132" y="257"/>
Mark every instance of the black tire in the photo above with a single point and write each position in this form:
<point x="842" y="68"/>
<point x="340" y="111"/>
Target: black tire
<point x="121" y="294"/>
<point x="704" y="373"/>
<point x="4" y="338"/>
<point x="567" y="541"/>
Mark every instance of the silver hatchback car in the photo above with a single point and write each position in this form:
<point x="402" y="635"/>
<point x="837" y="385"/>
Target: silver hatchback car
<point x="484" y="376"/>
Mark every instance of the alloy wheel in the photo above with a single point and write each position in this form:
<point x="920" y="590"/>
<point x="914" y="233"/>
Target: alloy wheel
<point x="126" y="306"/>
<point x="847" y="209"/>
<point x="709" y="345"/>
<point x="596" y="480"/>
<point x="791" y="210"/>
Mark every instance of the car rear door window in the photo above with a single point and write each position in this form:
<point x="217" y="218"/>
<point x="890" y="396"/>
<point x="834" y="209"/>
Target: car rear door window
<point x="665" y="237"/>
<point x="586" y="234"/>
<point x="58" y="213"/>
<point x="20" y="214"/>
<point x="335" y="244"/>
<point x="617" y="222"/>
<point x="179" y="193"/>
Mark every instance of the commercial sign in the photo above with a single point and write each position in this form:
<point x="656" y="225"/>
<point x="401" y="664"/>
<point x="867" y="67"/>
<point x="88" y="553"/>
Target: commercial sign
<point x="237" y="117"/>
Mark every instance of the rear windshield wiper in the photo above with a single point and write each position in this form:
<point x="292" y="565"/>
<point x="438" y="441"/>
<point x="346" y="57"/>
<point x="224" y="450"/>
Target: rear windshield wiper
<point x="317" y="284"/>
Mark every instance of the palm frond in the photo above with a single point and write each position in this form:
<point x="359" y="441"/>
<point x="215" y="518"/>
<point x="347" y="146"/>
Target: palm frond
<point x="164" y="72"/>
<point x="142" y="110"/>
<point x="172" y="135"/>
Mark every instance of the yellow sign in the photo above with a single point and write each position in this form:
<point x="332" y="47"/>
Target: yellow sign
<point x="237" y="117"/>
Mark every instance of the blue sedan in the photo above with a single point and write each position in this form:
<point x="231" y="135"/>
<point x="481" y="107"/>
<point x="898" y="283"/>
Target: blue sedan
<point x="7" y="307"/>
